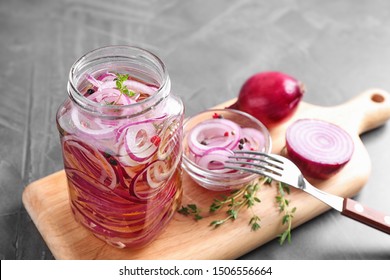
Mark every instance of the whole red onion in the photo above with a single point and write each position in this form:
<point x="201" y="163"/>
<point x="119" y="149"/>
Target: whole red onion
<point x="271" y="97"/>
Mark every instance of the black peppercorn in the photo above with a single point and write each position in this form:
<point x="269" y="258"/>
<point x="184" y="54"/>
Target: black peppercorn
<point x="89" y="91"/>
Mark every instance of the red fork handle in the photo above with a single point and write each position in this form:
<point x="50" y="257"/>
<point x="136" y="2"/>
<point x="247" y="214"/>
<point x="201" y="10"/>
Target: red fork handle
<point x="366" y="215"/>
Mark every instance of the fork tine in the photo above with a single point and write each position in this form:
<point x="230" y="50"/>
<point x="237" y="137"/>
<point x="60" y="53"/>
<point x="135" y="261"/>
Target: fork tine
<point x="256" y="171"/>
<point x="268" y="162"/>
<point x="258" y="154"/>
<point x="261" y="172"/>
<point x="267" y="167"/>
<point x="262" y="163"/>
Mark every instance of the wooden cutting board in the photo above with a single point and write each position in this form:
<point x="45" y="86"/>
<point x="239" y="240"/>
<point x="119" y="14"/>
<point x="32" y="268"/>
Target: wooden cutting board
<point x="46" y="200"/>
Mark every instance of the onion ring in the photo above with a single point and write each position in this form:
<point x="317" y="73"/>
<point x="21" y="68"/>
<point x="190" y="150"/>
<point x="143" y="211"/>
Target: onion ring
<point x="319" y="148"/>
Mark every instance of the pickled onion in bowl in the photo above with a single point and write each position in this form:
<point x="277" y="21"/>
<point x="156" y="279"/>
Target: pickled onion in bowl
<point x="211" y="137"/>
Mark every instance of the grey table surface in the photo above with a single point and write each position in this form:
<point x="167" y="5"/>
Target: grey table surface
<point x="337" y="48"/>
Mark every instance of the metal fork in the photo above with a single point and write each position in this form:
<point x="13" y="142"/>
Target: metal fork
<point x="283" y="170"/>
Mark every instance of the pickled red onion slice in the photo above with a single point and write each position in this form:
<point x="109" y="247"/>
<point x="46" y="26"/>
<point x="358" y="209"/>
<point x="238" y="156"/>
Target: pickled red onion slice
<point x="158" y="173"/>
<point x="93" y="81"/>
<point x="215" y="158"/>
<point x="138" y="141"/>
<point x="213" y="133"/>
<point x="120" y="131"/>
<point x="89" y="126"/>
<point x="254" y="140"/>
<point x="211" y="142"/>
<point x="131" y="84"/>
<point x="106" y="76"/>
<point x="170" y="138"/>
<point x="319" y="148"/>
<point x="109" y="96"/>
<point x="89" y="160"/>
<point x="105" y="90"/>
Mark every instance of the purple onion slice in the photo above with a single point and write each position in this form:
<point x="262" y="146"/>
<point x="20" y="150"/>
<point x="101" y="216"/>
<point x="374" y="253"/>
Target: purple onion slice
<point x="319" y="148"/>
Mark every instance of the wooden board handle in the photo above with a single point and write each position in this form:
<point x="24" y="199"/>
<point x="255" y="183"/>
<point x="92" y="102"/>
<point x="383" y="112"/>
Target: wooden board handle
<point x="366" y="215"/>
<point x="368" y="110"/>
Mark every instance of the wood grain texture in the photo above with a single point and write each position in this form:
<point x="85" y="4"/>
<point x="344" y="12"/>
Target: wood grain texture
<point x="46" y="200"/>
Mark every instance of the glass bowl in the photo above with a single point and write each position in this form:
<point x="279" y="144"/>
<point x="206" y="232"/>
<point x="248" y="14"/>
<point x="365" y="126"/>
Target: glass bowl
<point x="219" y="179"/>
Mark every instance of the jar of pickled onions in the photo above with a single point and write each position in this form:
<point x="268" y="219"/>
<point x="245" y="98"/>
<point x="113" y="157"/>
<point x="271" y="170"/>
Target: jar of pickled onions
<point x="121" y="135"/>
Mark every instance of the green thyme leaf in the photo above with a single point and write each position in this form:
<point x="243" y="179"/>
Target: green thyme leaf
<point x="254" y="222"/>
<point x="184" y="211"/>
<point x="283" y="237"/>
<point x="217" y="223"/>
<point x="193" y="207"/>
<point x="232" y="213"/>
<point x="247" y="198"/>
<point x="214" y="207"/>
<point x="191" y="210"/>
<point x="255" y="226"/>
<point x="120" y="79"/>
<point x="197" y="217"/>
<point x="284" y="204"/>
<point x="236" y="201"/>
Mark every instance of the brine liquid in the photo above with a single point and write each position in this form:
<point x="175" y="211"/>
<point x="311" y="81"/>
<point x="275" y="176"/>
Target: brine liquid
<point x="125" y="205"/>
<point x="124" y="175"/>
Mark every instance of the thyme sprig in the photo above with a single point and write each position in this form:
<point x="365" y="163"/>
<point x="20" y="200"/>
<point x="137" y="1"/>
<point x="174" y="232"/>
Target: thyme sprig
<point x="284" y="208"/>
<point x="247" y="197"/>
<point x="119" y="82"/>
<point x="235" y="202"/>
<point x="191" y="210"/>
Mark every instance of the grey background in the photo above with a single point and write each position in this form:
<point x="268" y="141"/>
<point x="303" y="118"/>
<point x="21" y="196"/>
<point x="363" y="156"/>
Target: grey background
<point x="337" y="48"/>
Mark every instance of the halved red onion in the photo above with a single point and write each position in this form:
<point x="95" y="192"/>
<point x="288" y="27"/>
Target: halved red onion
<point x="319" y="148"/>
<point x="213" y="133"/>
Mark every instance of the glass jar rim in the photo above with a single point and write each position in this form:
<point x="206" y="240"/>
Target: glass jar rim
<point x="117" y="51"/>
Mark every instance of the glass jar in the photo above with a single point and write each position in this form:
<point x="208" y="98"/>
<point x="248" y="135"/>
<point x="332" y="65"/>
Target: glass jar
<point x="121" y="135"/>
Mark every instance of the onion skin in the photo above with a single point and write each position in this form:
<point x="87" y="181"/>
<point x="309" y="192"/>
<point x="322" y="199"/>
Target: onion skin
<point x="271" y="97"/>
<point x="319" y="149"/>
